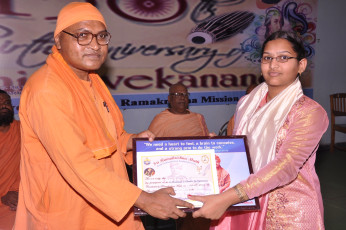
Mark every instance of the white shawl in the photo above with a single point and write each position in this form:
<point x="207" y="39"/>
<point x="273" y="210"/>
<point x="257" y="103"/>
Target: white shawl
<point x="262" y="126"/>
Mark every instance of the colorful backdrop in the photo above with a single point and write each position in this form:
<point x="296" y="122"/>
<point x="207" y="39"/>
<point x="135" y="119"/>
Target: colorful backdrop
<point x="212" y="46"/>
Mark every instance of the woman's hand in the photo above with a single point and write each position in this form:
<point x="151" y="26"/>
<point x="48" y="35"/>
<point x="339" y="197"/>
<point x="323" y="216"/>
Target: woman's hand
<point x="214" y="206"/>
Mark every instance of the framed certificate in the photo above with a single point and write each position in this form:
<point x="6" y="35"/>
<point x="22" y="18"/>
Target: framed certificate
<point x="192" y="165"/>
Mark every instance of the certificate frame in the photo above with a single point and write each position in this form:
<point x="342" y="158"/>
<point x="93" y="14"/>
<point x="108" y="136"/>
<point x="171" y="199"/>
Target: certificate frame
<point x="232" y="153"/>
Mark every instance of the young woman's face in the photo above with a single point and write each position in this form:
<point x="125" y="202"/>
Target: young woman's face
<point x="277" y="74"/>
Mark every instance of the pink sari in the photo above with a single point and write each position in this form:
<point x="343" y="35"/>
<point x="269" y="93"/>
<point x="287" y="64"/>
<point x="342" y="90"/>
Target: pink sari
<point x="282" y="136"/>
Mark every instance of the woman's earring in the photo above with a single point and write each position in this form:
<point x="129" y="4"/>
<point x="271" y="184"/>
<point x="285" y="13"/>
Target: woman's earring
<point x="298" y="75"/>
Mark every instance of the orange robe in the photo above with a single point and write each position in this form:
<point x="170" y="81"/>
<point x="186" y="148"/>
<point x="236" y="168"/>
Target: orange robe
<point x="9" y="170"/>
<point x="72" y="166"/>
<point x="223" y="178"/>
<point x="167" y="124"/>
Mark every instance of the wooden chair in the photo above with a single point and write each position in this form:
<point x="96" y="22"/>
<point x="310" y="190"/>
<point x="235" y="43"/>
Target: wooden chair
<point x="337" y="108"/>
<point x="223" y="130"/>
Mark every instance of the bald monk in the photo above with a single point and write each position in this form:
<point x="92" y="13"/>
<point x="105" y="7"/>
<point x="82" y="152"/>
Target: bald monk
<point x="9" y="162"/>
<point x="178" y="121"/>
<point x="74" y="144"/>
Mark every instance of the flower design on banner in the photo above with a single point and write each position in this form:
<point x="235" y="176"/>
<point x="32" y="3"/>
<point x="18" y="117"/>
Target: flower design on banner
<point x="150" y="11"/>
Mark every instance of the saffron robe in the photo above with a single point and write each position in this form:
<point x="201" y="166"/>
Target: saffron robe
<point x="9" y="170"/>
<point x="70" y="177"/>
<point x="224" y="179"/>
<point x="167" y="124"/>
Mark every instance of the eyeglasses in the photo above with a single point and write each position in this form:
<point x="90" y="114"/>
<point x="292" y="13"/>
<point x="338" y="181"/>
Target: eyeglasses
<point x="85" y="38"/>
<point x="180" y="94"/>
<point x="281" y="59"/>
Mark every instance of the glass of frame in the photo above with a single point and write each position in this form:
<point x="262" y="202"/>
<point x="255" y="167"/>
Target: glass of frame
<point x="192" y="165"/>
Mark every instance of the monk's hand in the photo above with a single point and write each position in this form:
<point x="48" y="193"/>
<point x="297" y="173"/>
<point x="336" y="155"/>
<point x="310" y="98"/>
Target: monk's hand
<point x="161" y="205"/>
<point x="214" y="206"/>
<point x="11" y="200"/>
<point x="146" y="134"/>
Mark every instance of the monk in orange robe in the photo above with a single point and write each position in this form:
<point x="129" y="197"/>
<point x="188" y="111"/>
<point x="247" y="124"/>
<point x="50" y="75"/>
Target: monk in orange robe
<point x="178" y="121"/>
<point x="74" y="146"/>
<point x="9" y="162"/>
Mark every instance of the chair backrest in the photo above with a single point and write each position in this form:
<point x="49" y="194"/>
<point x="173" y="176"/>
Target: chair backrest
<point x="223" y="130"/>
<point x="338" y="104"/>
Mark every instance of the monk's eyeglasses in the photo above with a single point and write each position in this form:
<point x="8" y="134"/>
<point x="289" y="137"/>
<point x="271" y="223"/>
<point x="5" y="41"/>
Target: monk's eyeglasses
<point x="85" y="38"/>
<point x="180" y="94"/>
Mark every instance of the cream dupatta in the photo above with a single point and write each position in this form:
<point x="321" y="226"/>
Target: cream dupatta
<point x="261" y="126"/>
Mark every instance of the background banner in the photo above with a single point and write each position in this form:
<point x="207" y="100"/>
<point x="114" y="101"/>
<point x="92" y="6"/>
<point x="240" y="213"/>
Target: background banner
<point x="213" y="47"/>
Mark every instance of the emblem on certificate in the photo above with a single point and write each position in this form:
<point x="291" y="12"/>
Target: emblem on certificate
<point x="192" y="165"/>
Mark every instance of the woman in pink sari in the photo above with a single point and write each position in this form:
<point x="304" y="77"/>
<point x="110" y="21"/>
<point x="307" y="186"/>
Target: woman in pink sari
<point x="283" y="128"/>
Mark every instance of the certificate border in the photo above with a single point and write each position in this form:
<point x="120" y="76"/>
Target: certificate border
<point x="239" y="207"/>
